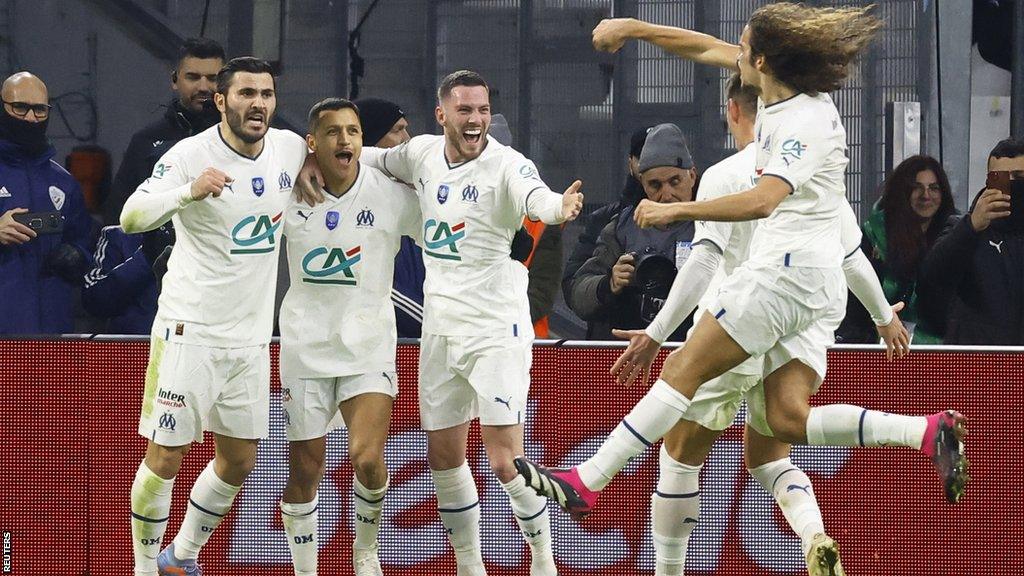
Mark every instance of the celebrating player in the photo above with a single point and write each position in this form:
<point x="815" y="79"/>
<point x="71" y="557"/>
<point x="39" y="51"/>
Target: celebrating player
<point x="476" y="349"/>
<point x="338" y="331"/>
<point x="725" y="245"/>
<point x="209" y="364"/>
<point x="780" y="304"/>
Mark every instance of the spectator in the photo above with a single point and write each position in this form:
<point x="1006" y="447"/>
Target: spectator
<point x="385" y="126"/>
<point x="123" y="287"/>
<point x="39" y="273"/>
<point x="625" y="282"/>
<point x="978" y="260"/>
<point x="915" y="204"/>
<point x="632" y="193"/>
<point x="539" y="247"/>
<point x="191" y="111"/>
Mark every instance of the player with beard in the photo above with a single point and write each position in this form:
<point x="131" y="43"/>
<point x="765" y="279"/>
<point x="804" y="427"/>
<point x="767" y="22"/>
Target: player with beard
<point x="476" y="349"/>
<point x="225" y="189"/>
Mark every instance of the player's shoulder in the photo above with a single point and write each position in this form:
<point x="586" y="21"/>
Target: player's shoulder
<point x="731" y="175"/>
<point x="424" y="142"/>
<point x="285" y="138"/>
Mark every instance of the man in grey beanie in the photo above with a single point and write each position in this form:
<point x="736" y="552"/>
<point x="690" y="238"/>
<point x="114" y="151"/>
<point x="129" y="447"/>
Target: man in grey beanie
<point x="627" y="277"/>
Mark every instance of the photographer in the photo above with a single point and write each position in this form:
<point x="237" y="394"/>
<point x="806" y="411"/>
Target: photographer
<point x="978" y="261"/>
<point x="625" y="281"/>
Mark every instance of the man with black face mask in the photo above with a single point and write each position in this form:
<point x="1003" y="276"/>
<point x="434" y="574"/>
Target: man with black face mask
<point x="194" y="79"/>
<point x="974" y="275"/>
<point x="42" y="256"/>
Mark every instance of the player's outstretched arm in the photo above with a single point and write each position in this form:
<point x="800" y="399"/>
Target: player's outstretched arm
<point x="863" y="282"/>
<point x="758" y="202"/>
<point x="572" y="202"/>
<point x="610" y="35"/>
<point x="690" y="283"/>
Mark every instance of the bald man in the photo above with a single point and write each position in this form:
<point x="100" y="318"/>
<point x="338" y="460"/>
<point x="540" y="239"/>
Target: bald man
<point x="41" y="267"/>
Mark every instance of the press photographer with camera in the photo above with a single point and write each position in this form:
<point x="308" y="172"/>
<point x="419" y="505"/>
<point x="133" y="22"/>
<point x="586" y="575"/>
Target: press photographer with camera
<point x="977" y="264"/>
<point x="627" y="278"/>
<point x="45" y="230"/>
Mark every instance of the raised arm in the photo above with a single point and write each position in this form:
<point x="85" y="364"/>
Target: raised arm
<point x="612" y="33"/>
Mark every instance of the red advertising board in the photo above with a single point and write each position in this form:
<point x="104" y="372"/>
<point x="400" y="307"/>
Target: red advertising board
<point x="69" y="450"/>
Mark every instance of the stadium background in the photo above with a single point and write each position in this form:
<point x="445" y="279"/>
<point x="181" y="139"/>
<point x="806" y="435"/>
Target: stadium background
<point x="68" y="452"/>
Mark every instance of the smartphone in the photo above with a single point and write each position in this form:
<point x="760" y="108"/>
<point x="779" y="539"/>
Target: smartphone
<point x="998" y="180"/>
<point x="42" y="222"/>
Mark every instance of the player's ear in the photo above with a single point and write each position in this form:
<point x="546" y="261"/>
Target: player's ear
<point x="311" y="142"/>
<point x="219" y="101"/>
<point x="439" y="114"/>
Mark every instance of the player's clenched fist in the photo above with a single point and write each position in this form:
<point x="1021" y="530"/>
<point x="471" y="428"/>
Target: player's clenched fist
<point x="611" y="33"/>
<point x="572" y="201"/>
<point x="649" y="213"/>
<point x="211" y="182"/>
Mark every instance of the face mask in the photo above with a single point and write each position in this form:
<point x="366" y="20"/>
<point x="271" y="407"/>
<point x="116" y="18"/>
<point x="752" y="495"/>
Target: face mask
<point x="30" y="136"/>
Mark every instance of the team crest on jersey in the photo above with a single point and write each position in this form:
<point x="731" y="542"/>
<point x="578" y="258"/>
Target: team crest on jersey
<point x="792" y="150"/>
<point x="441" y="239"/>
<point x="364" y="219"/>
<point x="332" y="219"/>
<point x="469" y="194"/>
<point x="323" y="265"/>
<point x="284" y="181"/>
<point x="57" y="197"/>
<point x="442" y="193"/>
<point x="256" y="234"/>
<point x="257" y="186"/>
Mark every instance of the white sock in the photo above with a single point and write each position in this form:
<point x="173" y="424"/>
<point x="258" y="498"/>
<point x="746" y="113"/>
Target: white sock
<point x="531" y="512"/>
<point x="675" y="508"/>
<point x="846" y="425"/>
<point x="300" y="527"/>
<point x="792" y="490"/>
<point x="368" y="506"/>
<point x="208" y="503"/>
<point x="151" y="506"/>
<point x="652" y="417"/>
<point x="459" y="506"/>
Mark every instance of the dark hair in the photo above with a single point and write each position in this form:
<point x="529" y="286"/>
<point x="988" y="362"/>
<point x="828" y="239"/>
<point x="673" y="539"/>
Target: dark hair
<point x="1008" y="148"/>
<point x="744" y="96"/>
<point x="241" y="64"/>
<point x="325" y="105"/>
<point x="201" y="48"/>
<point x="460" y="78"/>
<point x="906" y="243"/>
<point x="810" y="49"/>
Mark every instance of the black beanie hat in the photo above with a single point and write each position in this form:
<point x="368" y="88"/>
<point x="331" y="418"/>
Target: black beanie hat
<point x="377" y="117"/>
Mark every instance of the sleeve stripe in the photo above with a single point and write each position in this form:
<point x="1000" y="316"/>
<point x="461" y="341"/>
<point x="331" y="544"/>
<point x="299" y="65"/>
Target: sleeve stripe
<point x="97" y="273"/>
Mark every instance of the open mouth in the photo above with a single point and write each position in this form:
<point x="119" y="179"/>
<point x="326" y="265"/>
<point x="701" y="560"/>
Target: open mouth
<point x="344" y="156"/>
<point x="473" y="135"/>
<point x="256" y="120"/>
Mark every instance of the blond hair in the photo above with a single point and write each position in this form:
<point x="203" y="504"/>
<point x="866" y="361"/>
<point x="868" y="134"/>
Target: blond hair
<point x="810" y="49"/>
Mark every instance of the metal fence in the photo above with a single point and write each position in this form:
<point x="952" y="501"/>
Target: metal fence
<point x="572" y="109"/>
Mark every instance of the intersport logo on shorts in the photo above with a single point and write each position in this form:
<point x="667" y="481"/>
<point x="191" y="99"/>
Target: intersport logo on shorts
<point x="256" y="234"/>
<point x="729" y="497"/>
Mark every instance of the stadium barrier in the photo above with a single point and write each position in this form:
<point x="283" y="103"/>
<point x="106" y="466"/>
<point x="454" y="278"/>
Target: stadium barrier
<point x="70" y="450"/>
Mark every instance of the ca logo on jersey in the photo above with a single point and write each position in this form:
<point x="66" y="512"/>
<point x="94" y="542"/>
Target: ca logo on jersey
<point x="792" y="150"/>
<point x="441" y="239"/>
<point x="324" y="265"/>
<point x="255" y="234"/>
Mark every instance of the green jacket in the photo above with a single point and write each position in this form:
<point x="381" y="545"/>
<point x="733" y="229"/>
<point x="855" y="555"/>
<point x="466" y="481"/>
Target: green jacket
<point x="858" y="327"/>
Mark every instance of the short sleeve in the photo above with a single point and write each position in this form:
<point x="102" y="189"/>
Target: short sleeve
<point x="798" y="152"/>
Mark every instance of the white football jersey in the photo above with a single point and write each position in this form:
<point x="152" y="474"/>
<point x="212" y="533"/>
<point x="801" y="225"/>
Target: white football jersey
<point x="222" y="273"/>
<point x="471" y="212"/>
<point x="802" y="141"/>
<point x="337" y="318"/>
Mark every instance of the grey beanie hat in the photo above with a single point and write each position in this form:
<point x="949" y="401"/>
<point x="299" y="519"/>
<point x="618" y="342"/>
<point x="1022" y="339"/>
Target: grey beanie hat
<point x="665" y="146"/>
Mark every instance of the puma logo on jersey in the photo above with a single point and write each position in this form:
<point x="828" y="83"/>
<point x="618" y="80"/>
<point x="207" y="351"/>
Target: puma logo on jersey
<point x="507" y="403"/>
<point x="304" y="216"/>
<point x="997" y="245"/>
<point x="806" y="488"/>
